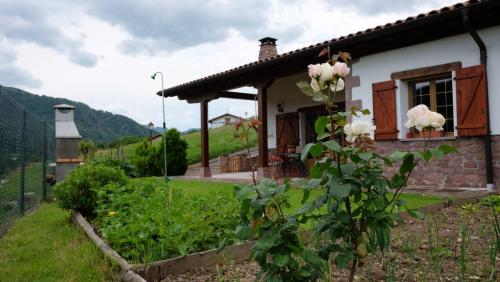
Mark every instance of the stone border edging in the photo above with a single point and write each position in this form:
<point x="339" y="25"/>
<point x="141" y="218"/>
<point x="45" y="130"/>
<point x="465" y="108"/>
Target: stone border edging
<point x="127" y="273"/>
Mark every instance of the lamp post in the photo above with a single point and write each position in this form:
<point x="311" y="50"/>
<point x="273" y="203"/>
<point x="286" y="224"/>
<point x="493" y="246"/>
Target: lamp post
<point x="164" y="125"/>
<point x="151" y="126"/>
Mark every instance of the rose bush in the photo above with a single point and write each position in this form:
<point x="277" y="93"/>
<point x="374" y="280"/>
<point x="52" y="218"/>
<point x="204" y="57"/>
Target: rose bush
<point x="422" y="118"/>
<point x="355" y="212"/>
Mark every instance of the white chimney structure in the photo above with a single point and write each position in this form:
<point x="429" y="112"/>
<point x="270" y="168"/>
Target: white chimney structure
<point x="67" y="141"/>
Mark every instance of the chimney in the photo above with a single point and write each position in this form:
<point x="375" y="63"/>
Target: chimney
<point x="267" y="48"/>
<point x="67" y="141"/>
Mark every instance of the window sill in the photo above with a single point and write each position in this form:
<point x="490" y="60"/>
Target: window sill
<point x="431" y="139"/>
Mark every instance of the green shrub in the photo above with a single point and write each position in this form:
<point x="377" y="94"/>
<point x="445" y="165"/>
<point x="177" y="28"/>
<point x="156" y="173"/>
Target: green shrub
<point x="145" y="160"/>
<point x="146" y="221"/>
<point x="176" y="153"/>
<point x="148" y="159"/>
<point x="79" y="190"/>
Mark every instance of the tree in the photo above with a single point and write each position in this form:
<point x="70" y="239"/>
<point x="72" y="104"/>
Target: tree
<point x="87" y="149"/>
<point x="176" y="153"/>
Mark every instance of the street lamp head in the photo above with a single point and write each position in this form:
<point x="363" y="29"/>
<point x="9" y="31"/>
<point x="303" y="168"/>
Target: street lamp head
<point x="153" y="76"/>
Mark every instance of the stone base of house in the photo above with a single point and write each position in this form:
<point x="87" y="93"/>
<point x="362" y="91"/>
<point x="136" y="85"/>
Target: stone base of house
<point x="465" y="169"/>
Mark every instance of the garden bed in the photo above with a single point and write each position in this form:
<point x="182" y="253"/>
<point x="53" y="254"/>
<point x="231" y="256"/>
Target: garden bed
<point x="421" y="251"/>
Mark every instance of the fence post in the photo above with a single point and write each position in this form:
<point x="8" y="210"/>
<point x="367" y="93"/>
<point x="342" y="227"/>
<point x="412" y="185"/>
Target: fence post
<point x="23" y="164"/>
<point x="44" y="162"/>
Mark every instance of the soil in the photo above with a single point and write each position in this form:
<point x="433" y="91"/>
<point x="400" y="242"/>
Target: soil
<point x="446" y="243"/>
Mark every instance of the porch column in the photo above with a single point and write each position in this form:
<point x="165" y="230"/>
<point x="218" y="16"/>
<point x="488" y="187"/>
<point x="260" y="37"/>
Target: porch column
<point x="204" y="168"/>
<point x="263" y="167"/>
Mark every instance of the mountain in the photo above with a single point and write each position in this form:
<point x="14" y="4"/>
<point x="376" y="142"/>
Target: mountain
<point x="96" y="125"/>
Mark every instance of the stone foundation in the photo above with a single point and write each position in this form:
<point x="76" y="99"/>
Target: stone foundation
<point x="465" y="169"/>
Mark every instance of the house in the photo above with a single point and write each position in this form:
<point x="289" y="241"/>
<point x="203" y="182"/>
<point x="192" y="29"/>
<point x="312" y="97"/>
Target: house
<point x="442" y="58"/>
<point x="224" y="119"/>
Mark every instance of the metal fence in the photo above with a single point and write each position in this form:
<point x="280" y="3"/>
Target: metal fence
<point x="26" y="149"/>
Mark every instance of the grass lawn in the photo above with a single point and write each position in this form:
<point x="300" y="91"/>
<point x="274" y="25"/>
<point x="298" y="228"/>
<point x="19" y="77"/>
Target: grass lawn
<point x="46" y="246"/>
<point x="221" y="142"/>
<point x="199" y="187"/>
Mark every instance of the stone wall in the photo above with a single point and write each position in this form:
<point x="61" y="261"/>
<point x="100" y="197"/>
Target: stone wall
<point x="465" y="169"/>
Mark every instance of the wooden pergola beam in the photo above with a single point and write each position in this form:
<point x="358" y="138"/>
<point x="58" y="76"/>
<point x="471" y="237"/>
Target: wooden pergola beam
<point x="237" y="95"/>
<point x="204" y="167"/>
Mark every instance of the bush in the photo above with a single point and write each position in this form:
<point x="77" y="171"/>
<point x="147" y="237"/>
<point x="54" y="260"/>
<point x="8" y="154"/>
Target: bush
<point x="176" y="153"/>
<point x="127" y="168"/>
<point x="145" y="160"/>
<point x="79" y="190"/>
<point x="149" y="159"/>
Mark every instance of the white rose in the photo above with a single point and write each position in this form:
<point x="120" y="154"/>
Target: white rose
<point x="337" y="86"/>
<point x="414" y="114"/>
<point x="358" y="128"/>
<point x="326" y="73"/>
<point x="341" y="69"/>
<point x="437" y="121"/>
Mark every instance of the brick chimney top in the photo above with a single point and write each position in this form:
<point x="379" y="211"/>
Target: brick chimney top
<point x="267" y="48"/>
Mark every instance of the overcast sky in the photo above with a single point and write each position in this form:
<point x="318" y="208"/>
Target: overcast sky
<point x="102" y="52"/>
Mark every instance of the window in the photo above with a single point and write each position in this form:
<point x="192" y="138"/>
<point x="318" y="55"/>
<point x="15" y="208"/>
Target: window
<point x="437" y="94"/>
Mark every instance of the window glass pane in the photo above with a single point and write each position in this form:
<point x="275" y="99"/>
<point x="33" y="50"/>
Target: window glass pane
<point x="440" y="86"/>
<point x="421" y="93"/>
<point x="440" y="98"/>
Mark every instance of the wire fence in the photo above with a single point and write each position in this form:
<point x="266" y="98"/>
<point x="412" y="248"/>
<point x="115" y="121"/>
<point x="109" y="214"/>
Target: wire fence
<point x="26" y="148"/>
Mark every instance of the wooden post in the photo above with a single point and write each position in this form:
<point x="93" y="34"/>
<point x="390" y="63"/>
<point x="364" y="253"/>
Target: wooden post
<point x="263" y="167"/>
<point x="205" y="167"/>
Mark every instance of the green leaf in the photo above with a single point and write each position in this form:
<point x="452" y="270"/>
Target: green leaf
<point x="366" y="156"/>
<point x="339" y="190"/>
<point x="267" y="241"/>
<point x="316" y="150"/>
<point x="436" y="153"/>
<point x="313" y="259"/>
<point x="320" y="125"/>
<point x="397" y="181"/>
<point x="365" y="112"/>
<point x="447" y="149"/>
<point x="343" y="259"/>
<point x="281" y="260"/>
<point x="426" y="155"/>
<point x="397" y="155"/>
<point x="332" y="145"/>
<point x="305" y="87"/>
<point x="306" y="208"/>
<point x="323" y="136"/>
<point x="243" y="232"/>
<point x="305" y="152"/>
<point x="407" y="165"/>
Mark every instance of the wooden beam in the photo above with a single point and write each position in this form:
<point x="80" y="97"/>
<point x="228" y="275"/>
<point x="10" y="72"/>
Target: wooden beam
<point x="205" y="168"/>
<point x="237" y="95"/>
<point x="263" y="148"/>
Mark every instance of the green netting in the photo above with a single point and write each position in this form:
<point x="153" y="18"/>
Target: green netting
<point x="25" y="143"/>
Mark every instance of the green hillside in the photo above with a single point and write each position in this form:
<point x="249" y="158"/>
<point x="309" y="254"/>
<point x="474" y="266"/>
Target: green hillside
<point x="96" y="125"/>
<point x="221" y="142"/>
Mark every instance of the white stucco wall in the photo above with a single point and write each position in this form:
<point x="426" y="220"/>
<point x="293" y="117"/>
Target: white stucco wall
<point x="285" y="92"/>
<point x="460" y="48"/>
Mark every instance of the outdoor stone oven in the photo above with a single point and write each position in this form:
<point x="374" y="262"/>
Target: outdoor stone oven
<point x="67" y="141"/>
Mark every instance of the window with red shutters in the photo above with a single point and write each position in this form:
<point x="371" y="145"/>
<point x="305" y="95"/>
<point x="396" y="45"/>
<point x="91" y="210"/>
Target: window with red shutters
<point x="471" y="101"/>
<point x="384" y="110"/>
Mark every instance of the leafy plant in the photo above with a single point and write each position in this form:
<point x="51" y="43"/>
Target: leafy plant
<point x="146" y="220"/>
<point x="279" y="249"/>
<point x="80" y="188"/>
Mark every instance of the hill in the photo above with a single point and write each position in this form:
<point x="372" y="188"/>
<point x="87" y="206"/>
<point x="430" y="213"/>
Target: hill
<point x="221" y="141"/>
<point x="96" y="125"/>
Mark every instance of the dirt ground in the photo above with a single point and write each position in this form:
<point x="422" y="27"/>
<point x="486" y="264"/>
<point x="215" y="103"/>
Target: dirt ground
<point x="422" y="250"/>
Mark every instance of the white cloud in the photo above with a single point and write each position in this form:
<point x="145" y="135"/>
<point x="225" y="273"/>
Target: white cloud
<point x="193" y="44"/>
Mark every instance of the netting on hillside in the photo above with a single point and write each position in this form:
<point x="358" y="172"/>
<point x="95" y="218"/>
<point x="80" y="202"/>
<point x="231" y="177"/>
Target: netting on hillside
<point x="25" y="143"/>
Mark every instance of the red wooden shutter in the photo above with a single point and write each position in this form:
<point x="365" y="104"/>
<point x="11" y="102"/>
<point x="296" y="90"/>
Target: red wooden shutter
<point x="471" y="101"/>
<point x="384" y="110"/>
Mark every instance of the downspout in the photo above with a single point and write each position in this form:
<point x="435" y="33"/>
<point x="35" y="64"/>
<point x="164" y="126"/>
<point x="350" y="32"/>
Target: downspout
<point x="483" y="59"/>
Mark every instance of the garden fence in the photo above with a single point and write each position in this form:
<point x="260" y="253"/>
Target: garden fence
<point x="26" y="148"/>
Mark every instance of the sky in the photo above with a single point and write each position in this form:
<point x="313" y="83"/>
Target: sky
<point x="103" y="52"/>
